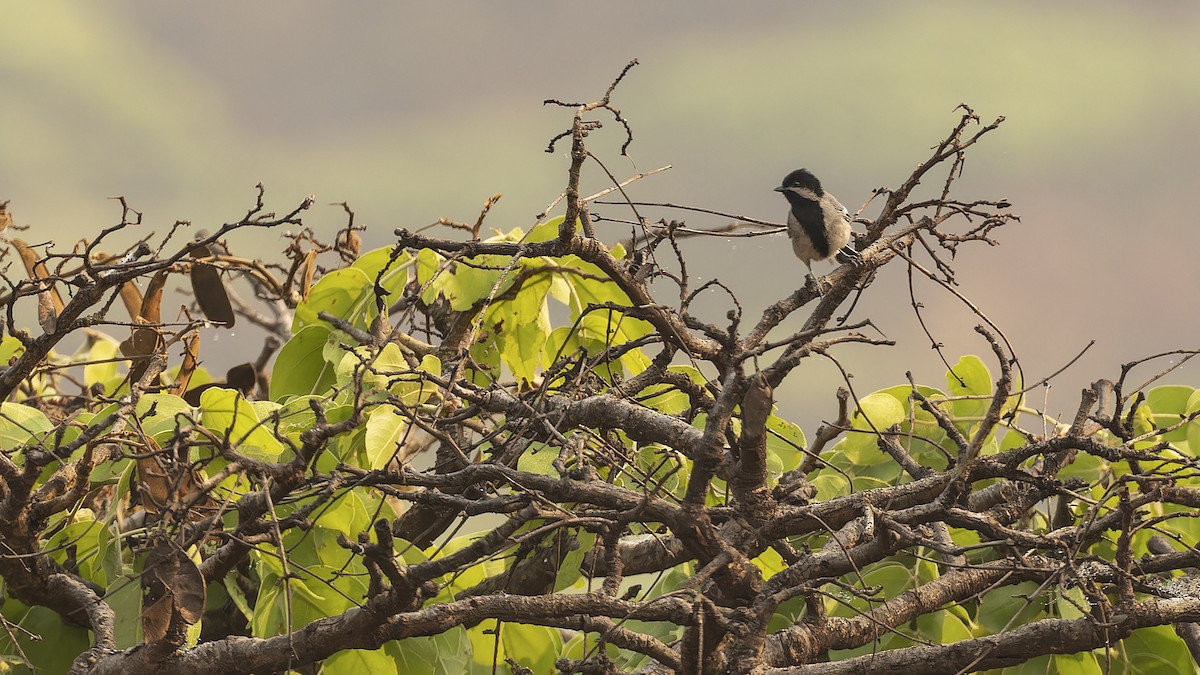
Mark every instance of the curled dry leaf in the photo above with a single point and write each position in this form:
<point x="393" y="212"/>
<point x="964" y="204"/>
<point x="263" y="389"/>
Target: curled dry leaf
<point x="144" y="342"/>
<point x="191" y="359"/>
<point x="151" y="309"/>
<point x="36" y="271"/>
<point x="310" y="268"/>
<point x="131" y="297"/>
<point x="47" y="318"/>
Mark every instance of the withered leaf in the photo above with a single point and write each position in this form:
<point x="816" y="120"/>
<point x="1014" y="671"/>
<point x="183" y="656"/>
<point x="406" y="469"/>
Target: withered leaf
<point x="174" y="588"/>
<point x="47" y="318"/>
<point x="156" y="618"/>
<point x="209" y="289"/>
<point x="310" y="268"/>
<point x="167" y="481"/>
<point x="155" y="483"/>
<point x="192" y="396"/>
<point x="189" y="589"/>
<point x="143" y="343"/>
<point x="131" y="297"/>
<point x="191" y="358"/>
<point x="243" y="378"/>
<point x="37" y="271"/>
<point x="152" y="302"/>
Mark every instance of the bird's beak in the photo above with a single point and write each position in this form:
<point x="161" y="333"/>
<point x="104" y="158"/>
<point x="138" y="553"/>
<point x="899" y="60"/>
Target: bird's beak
<point x="779" y="189"/>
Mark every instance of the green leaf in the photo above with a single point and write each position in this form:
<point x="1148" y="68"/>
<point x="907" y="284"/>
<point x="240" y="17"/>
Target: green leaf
<point x="409" y="385"/>
<point x="1170" y="404"/>
<point x="770" y="563"/>
<point x="300" y="368"/>
<point x="655" y="466"/>
<point x="54" y="644"/>
<point x="546" y="231"/>
<point x="668" y="399"/>
<point x="226" y="413"/>
<point x="342" y="293"/>
<point x="346" y="514"/>
<point x="606" y="327"/>
<point x="238" y="596"/>
<point x="22" y="425"/>
<point x="473" y="574"/>
<point x="1156" y="650"/>
<point x="101" y="358"/>
<point x="1070" y="601"/>
<point x="830" y="484"/>
<point x="969" y="377"/>
<point x="92" y="542"/>
<point x="386" y="429"/>
<point x="374" y="661"/>
<point x="447" y="653"/>
<point x="1081" y="663"/>
<point x="428" y="276"/>
<point x="584" y="644"/>
<point x="310" y="589"/>
<point x="524" y="350"/>
<point x="785" y="445"/>
<point x="535" y="647"/>
<point x="538" y="458"/>
<point x="158" y="414"/>
<point x="125" y="598"/>
<point x="571" y="571"/>
<point x="876" y="413"/>
<point x="394" y="272"/>
<point x="999" y="607"/>
<point x="523" y="323"/>
<point x="10" y="348"/>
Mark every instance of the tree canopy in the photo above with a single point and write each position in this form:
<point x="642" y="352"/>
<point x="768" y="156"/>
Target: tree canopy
<point x="519" y="450"/>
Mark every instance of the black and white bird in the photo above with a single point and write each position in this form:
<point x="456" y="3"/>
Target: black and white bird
<point x="818" y="224"/>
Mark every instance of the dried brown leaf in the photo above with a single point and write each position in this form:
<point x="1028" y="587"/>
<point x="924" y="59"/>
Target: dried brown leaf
<point x="209" y="289"/>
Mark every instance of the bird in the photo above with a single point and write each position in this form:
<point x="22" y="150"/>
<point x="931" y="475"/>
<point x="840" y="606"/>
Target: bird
<point x="817" y="223"/>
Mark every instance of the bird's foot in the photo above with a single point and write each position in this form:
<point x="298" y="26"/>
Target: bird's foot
<point x="847" y="255"/>
<point x="818" y="286"/>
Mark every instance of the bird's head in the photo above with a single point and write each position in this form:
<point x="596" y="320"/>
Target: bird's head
<point x="801" y="178"/>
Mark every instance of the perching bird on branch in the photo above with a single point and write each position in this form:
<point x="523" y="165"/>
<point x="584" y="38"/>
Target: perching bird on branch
<point x="818" y="224"/>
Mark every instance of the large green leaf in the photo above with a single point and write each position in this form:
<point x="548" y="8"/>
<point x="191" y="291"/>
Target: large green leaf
<point x="876" y="413"/>
<point x="349" y="293"/>
<point x="22" y="425"/>
<point x="1168" y="404"/>
<point x="45" y="639"/>
<point x="346" y="513"/>
<point x="159" y="414"/>
<point x="301" y="369"/>
<point x="92" y="543"/>
<point x="785" y="446"/>
<point x="535" y="647"/>
<point x="969" y="377"/>
<point x="224" y="412"/>
<point x="386" y="429"/>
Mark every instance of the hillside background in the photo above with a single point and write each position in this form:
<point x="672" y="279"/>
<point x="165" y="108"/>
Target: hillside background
<point x="414" y="112"/>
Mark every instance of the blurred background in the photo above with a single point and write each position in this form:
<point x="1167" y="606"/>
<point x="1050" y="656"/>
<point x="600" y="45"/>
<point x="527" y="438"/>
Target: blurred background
<point x="411" y="112"/>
